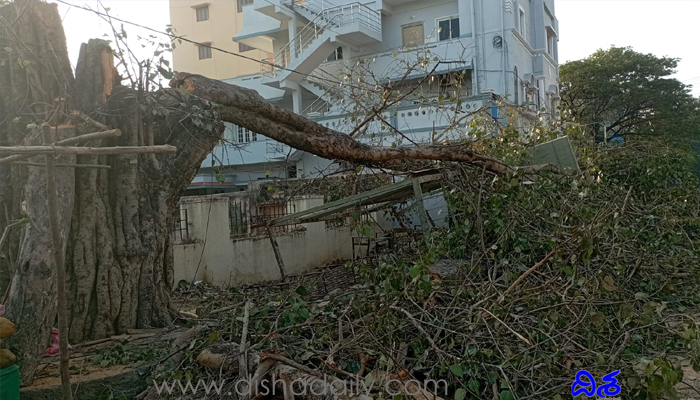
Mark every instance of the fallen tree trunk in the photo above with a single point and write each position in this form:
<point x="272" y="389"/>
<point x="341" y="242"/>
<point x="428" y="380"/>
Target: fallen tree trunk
<point x="246" y="108"/>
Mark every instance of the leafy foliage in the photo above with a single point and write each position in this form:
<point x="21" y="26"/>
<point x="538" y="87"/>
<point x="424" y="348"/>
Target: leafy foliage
<point x="630" y="92"/>
<point x="616" y="294"/>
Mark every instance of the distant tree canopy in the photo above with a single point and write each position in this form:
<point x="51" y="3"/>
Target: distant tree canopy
<point x="627" y="91"/>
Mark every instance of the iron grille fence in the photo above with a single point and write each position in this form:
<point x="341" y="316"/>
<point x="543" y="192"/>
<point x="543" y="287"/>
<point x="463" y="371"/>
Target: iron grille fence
<point x="238" y="219"/>
<point x="244" y="219"/>
<point x="181" y="226"/>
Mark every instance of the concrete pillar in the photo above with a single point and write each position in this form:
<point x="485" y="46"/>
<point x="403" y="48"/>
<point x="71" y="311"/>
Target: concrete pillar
<point x="465" y="18"/>
<point x="292" y="34"/>
<point x="296" y="100"/>
<point x="295" y="90"/>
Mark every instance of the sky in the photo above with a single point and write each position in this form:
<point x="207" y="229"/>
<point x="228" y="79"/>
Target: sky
<point x="662" y="27"/>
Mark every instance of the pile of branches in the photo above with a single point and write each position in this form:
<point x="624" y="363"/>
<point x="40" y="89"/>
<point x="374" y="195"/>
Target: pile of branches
<point x="536" y="279"/>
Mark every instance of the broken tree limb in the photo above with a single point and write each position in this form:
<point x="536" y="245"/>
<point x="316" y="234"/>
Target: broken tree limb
<point x="89" y="136"/>
<point x="291" y="363"/>
<point x="97" y="151"/>
<point x="59" y="265"/>
<point x="243" y="358"/>
<point x="278" y="255"/>
<point x="526" y="274"/>
<point x="86" y="119"/>
<point x="224" y="309"/>
<point x="245" y="107"/>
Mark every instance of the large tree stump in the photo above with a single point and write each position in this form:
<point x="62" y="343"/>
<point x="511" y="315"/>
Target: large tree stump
<point x="117" y="222"/>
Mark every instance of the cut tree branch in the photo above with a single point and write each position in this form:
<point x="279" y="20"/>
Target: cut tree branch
<point x="245" y="107"/>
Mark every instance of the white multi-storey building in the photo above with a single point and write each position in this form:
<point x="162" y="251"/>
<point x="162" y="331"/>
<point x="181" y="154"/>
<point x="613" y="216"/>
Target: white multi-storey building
<point x="326" y="55"/>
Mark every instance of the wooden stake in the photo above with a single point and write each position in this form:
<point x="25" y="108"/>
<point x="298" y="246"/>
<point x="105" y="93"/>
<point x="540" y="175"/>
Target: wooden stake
<point x="278" y="256"/>
<point x="58" y="257"/>
<point x="34" y="150"/>
<point x="33" y="164"/>
<point x="68" y="142"/>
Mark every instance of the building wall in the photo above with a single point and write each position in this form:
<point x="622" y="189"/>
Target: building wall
<point x="422" y="12"/>
<point x="216" y="258"/>
<point x="490" y="68"/>
<point x="224" y="21"/>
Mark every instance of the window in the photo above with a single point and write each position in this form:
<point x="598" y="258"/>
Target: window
<point x="551" y="40"/>
<point x="413" y="35"/>
<point x="204" y="51"/>
<point x="244" y="47"/>
<point x="448" y="28"/>
<point x="202" y="13"/>
<point x="246" y="135"/>
<point x="242" y="3"/>
<point x="336" y="55"/>
<point x="292" y="172"/>
<point x="521" y="24"/>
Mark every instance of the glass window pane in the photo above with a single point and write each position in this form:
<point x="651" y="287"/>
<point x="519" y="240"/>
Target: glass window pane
<point x="444" y="28"/>
<point x="455" y="28"/>
<point x="202" y="13"/>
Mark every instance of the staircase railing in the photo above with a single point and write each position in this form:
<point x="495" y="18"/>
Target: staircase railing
<point x="312" y="5"/>
<point x="334" y="17"/>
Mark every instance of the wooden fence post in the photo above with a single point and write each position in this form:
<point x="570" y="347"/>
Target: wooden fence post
<point x="59" y="264"/>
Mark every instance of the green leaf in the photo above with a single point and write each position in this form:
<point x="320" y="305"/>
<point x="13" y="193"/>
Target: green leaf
<point x="475" y="386"/>
<point x="507" y="395"/>
<point x="302" y="290"/>
<point x="31" y="126"/>
<point x="369" y="380"/>
<point x="456" y="369"/>
<point x="415" y="271"/>
<point x="304" y="313"/>
<point x="460" y="394"/>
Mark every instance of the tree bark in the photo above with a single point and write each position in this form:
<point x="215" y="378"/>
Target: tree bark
<point x="120" y="253"/>
<point x="117" y="221"/>
<point x="31" y="303"/>
<point x="35" y="79"/>
<point x="245" y="107"/>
